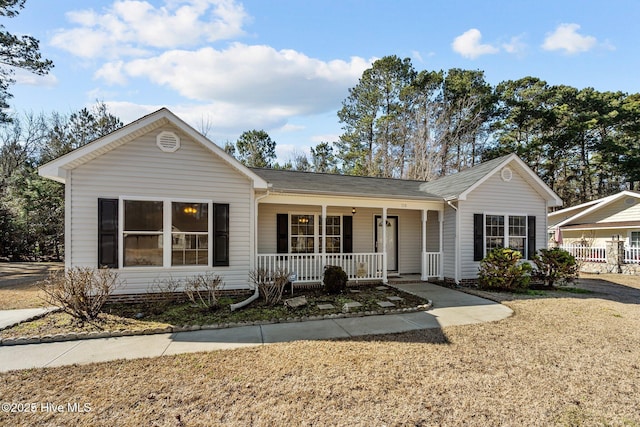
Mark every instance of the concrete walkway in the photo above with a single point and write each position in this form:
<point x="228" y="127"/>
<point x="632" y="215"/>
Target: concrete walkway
<point x="9" y="318"/>
<point x="450" y="308"/>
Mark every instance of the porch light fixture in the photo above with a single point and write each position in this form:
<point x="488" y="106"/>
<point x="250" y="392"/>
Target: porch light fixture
<point x="353" y="211"/>
<point x="303" y="220"/>
<point x="190" y="210"/>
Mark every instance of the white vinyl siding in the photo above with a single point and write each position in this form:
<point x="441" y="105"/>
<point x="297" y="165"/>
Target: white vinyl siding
<point x="495" y="196"/>
<point x="617" y="211"/>
<point x="140" y="169"/>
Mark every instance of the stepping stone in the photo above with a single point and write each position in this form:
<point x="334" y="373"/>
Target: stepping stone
<point x="382" y="288"/>
<point x="354" y="291"/>
<point x="296" y="302"/>
<point x="385" y="304"/>
<point x="326" y="306"/>
<point x="348" y="306"/>
<point x="394" y="298"/>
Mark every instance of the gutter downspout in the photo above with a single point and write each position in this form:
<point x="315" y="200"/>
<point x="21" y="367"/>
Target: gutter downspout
<point x="256" y="291"/>
<point x="456" y="260"/>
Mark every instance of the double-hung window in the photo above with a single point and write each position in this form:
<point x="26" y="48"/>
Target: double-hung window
<point x="143" y="233"/>
<point x="518" y="233"/>
<point x="302" y="234"/>
<point x="333" y="234"/>
<point x="189" y="233"/>
<point x="634" y="239"/>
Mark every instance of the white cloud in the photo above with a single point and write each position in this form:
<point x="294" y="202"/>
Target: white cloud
<point x="515" y="46"/>
<point x="325" y="138"/>
<point x="567" y="38"/>
<point x="290" y="127"/>
<point x="24" y="77"/>
<point x="285" y="81"/>
<point x="131" y="28"/>
<point x="469" y="45"/>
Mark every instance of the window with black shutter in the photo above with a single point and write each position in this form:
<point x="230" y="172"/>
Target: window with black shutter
<point x="108" y="233"/>
<point x="220" y="235"/>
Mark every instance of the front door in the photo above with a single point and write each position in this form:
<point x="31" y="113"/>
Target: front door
<point x="392" y="241"/>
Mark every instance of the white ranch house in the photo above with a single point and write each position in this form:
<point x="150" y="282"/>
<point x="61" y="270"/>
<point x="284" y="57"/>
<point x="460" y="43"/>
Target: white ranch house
<point x="156" y="199"/>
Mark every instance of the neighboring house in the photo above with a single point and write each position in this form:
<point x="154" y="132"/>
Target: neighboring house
<point x="596" y="222"/>
<point x="156" y="199"/>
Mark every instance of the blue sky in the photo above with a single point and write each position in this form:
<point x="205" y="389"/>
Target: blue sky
<point x="227" y="66"/>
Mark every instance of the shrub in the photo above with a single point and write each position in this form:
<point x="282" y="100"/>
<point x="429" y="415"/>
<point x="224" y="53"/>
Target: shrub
<point x="203" y="290"/>
<point x="335" y="279"/>
<point x="163" y="293"/>
<point x="555" y="265"/>
<point x="502" y="269"/>
<point x="80" y="291"/>
<point x="270" y="283"/>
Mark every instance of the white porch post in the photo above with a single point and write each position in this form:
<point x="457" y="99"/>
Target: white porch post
<point x="424" y="272"/>
<point x="324" y="235"/>
<point x="441" y="246"/>
<point x="384" y="245"/>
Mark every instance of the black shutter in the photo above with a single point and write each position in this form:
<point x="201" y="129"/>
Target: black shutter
<point x="478" y="237"/>
<point x="220" y="235"/>
<point x="531" y="237"/>
<point x="283" y="233"/>
<point x="347" y="234"/>
<point x="108" y="233"/>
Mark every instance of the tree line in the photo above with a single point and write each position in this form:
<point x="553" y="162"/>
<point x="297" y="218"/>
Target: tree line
<point x="402" y="123"/>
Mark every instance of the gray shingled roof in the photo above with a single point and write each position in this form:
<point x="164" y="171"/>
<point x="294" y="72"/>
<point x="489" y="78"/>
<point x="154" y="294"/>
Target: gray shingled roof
<point x="322" y="183"/>
<point x="347" y="185"/>
<point x="450" y="187"/>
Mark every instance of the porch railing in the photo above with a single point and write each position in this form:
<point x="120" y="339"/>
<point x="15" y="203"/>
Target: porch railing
<point x="431" y="262"/>
<point x="587" y="253"/>
<point x="632" y="255"/>
<point x="310" y="267"/>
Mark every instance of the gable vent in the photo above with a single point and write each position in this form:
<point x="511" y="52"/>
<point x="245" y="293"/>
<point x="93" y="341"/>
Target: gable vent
<point x="168" y="141"/>
<point x="630" y="201"/>
<point x="506" y="174"/>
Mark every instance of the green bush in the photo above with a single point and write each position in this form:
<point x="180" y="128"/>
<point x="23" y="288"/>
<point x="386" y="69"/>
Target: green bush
<point x="501" y="269"/>
<point x="555" y="265"/>
<point x="335" y="279"/>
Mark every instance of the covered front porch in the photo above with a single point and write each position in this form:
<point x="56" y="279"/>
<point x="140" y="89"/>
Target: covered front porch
<point x="369" y="239"/>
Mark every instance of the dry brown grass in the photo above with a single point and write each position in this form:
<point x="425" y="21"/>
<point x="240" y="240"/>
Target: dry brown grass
<point x="570" y="360"/>
<point x="18" y="287"/>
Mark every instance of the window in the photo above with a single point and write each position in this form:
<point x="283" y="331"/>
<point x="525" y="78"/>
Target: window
<point x="302" y="233"/>
<point x="165" y="233"/>
<point x="333" y="234"/>
<point x="634" y="239"/>
<point x="189" y="233"/>
<point x="518" y="233"/>
<point x="501" y="231"/>
<point x="143" y="233"/>
<point x="306" y="233"/>
<point x="494" y="236"/>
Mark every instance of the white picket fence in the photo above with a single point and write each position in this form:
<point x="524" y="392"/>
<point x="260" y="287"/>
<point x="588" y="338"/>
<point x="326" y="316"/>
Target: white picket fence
<point x="599" y="254"/>
<point x="587" y="253"/>
<point x="632" y="255"/>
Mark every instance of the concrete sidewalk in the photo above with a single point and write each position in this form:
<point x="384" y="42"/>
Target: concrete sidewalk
<point x="450" y="308"/>
<point x="9" y="318"/>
